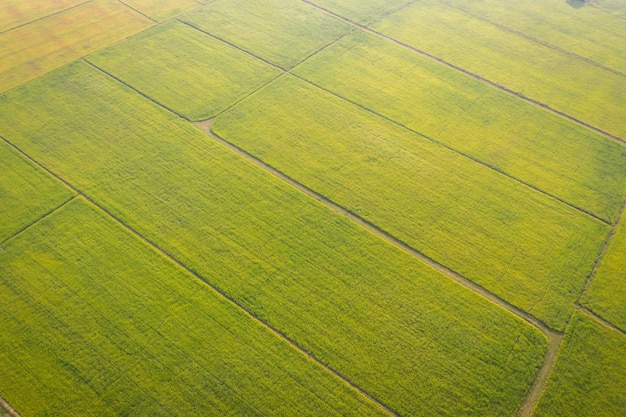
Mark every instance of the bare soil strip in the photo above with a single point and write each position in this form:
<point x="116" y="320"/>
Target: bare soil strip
<point x="217" y="291"/>
<point x="138" y="11"/>
<point x="539" y="104"/>
<point x="34" y="222"/>
<point x="8" y="408"/>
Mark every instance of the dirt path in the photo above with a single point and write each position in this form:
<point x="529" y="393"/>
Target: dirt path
<point x="8" y="408"/>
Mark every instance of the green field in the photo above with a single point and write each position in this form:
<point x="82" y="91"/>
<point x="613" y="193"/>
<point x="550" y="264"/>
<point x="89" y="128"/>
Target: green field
<point x="360" y="11"/>
<point x="617" y="7"/>
<point x="558" y="24"/>
<point x="14" y="13"/>
<point x="529" y="249"/>
<point x="188" y="71"/>
<point x="541" y="149"/>
<point x="26" y="54"/>
<point x="409" y="336"/>
<point x="590" y="375"/>
<point x="606" y="294"/>
<point x="96" y="323"/>
<point x="26" y="192"/>
<point x="563" y="82"/>
<point x="162" y="10"/>
<point x="283" y="32"/>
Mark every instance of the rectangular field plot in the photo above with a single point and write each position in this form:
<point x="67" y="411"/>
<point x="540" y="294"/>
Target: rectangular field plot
<point x="522" y="245"/>
<point x="361" y="11"/>
<point x="585" y="31"/>
<point x="184" y="69"/>
<point x="33" y="50"/>
<point x="589" y="378"/>
<point x="161" y="10"/>
<point x="26" y="192"/>
<point x="15" y="13"/>
<point x="539" y="148"/>
<point x="412" y="338"/>
<point x="616" y="7"/>
<point x="606" y="294"/>
<point x="283" y="32"/>
<point x="96" y="323"/>
<point x="561" y="81"/>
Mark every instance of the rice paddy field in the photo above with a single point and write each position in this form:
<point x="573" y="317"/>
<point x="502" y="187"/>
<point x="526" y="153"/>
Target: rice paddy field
<point x="312" y="208"/>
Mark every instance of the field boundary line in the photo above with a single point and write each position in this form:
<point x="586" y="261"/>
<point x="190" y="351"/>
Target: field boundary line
<point x="8" y="408"/>
<point x="602" y="320"/>
<point x="532" y="38"/>
<point x="138" y="11"/>
<point x="602" y="9"/>
<point x="484" y="80"/>
<point x="458" y="152"/>
<point x="46" y="16"/>
<point x="277" y="333"/>
<point x="40" y="218"/>
<point x="376" y="230"/>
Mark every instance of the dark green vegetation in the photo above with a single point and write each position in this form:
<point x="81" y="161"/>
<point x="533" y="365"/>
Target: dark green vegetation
<point x="539" y="148"/>
<point x="26" y="192"/>
<point x="460" y="213"/>
<point x="590" y="375"/>
<point x="96" y="323"/>
<point x="188" y="71"/>
<point x="284" y="32"/>
<point x="392" y="325"/>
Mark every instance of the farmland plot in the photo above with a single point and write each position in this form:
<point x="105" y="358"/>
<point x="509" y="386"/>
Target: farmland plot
<point x="409" y="336"/>
<point x="606" y="294"/>
<point x="541" y="149"/>
<point x="360" y="11"/>
<point x="283" y="32"/>
<point x="588" y="31"/>
<point x="161" y="10"/>
<point x="96" y="323"/>
<point x="26" y="192"/>
<point x="617" y="7"/>
<point x="33" y="50"/>
<point x="522" y="245"/>
<point x="590" y="374"/>
<point x="184" y="69"/>
<point x="15" y="13"/>
<point x="561" y="81"/>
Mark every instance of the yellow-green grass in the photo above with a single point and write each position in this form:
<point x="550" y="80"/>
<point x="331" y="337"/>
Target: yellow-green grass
<point x="606" y="294"/>
<point x="15" y="13"/>
<point x="588" y="32"/>
<point x="283" y="32"/>
<point x="96" y="323"/>
<point x="589" y="378"/>
<point x="161" y="10"/>
<point x="360" y="11"/>
<point x="33" y="50"/>
<point x="563" y="82"/>
<point x="184" y="69"/>
<point x="409" y="336"/>
<point x="539" y="148"/>
<point x="522" y="245"/>
<point x="616" y="7"/>
<point x="26" y="192"/>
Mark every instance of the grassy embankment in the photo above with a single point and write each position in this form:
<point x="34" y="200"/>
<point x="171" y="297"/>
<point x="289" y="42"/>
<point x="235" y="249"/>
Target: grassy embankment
<point x="186" y="70"/>
<point x="539" y="148"/>
<point x="409" y="336"/>
<point x="561" y="81"/>
<point x="518" y="243"/>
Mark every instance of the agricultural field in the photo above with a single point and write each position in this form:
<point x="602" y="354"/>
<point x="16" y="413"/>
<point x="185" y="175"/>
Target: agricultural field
<point x="163" y="10"/>
<point x="26" y="192"/>
<point x="568" y="161"/>
<point x="606" y="294"/>
<point x="283" y="32"/>
<point x="455" y="211"/>
<point x="590" y="374"/>
<point x="33" y="50"/>
<point x="531" y="69"/>
<point x="117" y="329"/>
<point x="193" y="74"/>
<point x="329" y="285"/>
<point x="312" y="208"/>
<point x="553" y="23"/>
